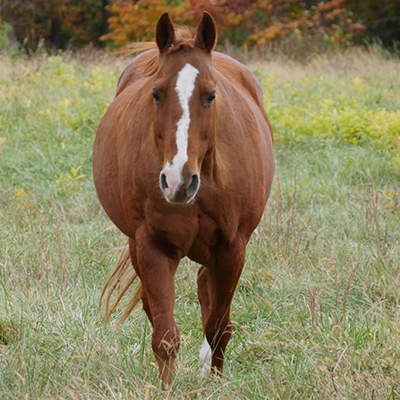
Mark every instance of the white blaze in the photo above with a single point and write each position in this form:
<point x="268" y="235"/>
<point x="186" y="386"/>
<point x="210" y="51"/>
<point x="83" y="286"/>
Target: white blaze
<point x="184" y="88"/>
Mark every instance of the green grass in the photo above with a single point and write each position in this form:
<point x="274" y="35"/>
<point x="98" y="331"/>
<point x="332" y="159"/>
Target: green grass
<point x="316" y="314"/>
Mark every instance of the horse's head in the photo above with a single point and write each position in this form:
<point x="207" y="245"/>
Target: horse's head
<point x="184" y="91"/>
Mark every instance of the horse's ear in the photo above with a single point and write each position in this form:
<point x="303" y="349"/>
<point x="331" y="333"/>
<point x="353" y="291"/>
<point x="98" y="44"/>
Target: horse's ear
<point x="206" y="33"/>
<point x="165" y="32"/>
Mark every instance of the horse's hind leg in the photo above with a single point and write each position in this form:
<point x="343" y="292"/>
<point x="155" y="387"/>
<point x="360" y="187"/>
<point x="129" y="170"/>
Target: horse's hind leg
<point x="203" y="291"/>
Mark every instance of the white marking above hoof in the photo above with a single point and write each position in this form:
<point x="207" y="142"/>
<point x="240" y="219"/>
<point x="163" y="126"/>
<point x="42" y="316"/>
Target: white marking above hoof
<point x="205" y="357"/>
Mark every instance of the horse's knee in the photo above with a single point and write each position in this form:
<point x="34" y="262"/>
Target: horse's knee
<point x="166" y="343"/>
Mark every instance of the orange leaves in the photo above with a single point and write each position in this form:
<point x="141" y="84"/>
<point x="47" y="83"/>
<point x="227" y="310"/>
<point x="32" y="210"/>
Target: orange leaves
<point x="290" y="20"/>
<point x="136" y="22"/>
<point x="242" y="22"/>
<point x="269" y="34"/>
<point x="132" y="22"/>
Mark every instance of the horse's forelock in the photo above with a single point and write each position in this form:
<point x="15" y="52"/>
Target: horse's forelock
<point x="183" y="36"/>
<point x="184" y="32"/>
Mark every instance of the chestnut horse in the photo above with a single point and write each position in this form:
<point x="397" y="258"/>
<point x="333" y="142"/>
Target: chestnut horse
<point x="183" y="165"/>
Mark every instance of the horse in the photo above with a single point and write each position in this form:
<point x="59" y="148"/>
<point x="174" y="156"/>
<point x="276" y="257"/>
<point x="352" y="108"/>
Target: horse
<point x="183" y="164"/>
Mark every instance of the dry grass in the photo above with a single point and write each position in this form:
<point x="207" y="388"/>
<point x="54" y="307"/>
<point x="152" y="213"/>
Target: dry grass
<point x="356" y="62"/>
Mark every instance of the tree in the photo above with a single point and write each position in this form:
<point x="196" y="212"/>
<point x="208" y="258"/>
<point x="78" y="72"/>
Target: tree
<point x="258" y="23"/>
<point x="381" y="18"/>
<point x="57" y="22"/>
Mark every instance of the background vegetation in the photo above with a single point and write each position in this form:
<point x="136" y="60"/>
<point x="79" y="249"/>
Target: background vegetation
<point x="316" y="314"/>
<point x="292" y="26"/>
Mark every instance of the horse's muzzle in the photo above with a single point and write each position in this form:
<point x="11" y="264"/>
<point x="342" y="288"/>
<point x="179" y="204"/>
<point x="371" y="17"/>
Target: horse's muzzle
<point x="179" y="188"/>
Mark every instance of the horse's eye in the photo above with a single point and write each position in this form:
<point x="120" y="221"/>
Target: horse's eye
<point x="210" y="97"/>
<point x="156" y="95"/>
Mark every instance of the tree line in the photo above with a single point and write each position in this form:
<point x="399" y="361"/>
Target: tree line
<point x="251" y="23"/>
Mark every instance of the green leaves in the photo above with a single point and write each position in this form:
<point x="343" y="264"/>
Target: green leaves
<point x="69" y="182"/>
<point x="345" y="114"/>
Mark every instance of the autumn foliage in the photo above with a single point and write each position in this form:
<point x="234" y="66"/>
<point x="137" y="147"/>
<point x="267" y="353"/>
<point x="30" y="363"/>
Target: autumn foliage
<point x="249" y="23"/>
<point x="289" y="25"/>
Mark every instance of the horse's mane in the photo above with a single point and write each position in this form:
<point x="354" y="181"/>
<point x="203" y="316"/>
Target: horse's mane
<point x="183" y="36"/>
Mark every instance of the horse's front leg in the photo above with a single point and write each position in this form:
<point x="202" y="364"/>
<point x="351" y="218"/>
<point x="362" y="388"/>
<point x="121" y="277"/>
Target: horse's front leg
<point x="222" y="281"/>
<point x="157" y="275"/>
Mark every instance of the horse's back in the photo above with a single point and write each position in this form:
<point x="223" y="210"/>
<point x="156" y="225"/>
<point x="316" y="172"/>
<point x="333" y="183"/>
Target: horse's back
<point x="241" y="76"/>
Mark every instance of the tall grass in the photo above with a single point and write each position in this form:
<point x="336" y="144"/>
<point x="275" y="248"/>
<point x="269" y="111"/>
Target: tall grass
<point x="316" y="312"/>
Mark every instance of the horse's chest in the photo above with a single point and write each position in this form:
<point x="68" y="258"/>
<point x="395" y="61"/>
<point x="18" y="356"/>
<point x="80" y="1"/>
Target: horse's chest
<point x="178" y="225"/>
<point x="202" y="249"/>
<point x="192" y="232"/>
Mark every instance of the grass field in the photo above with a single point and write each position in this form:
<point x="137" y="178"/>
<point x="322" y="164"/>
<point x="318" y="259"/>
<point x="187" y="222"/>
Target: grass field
<point x="316" y="314"/>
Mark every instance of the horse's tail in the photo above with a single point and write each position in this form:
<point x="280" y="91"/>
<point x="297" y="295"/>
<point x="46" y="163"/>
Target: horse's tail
<point x="118" y="283"/>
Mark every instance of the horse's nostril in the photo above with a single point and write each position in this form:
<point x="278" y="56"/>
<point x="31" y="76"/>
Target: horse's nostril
<point x="193" y="185"/>
<point x="163" y="181"/>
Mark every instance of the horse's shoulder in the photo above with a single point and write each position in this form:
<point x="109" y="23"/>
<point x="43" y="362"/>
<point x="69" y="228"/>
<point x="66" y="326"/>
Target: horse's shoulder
<point x="243" y="78"/>
<point x="135" y="70"/>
